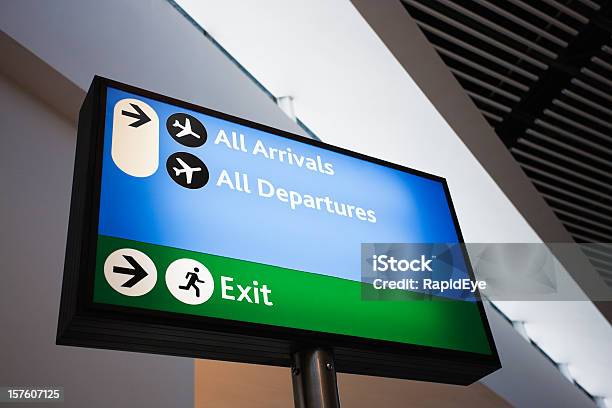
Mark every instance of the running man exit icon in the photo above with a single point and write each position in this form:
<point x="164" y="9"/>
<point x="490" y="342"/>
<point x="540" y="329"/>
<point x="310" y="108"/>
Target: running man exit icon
<point x="189" y="281"/>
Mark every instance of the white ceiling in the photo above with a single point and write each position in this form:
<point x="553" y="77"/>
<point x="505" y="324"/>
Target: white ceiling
<point x="349" y="89"/>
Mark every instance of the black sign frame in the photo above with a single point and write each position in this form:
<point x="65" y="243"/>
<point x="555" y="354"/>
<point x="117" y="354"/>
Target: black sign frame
<point x="85" y="323"/>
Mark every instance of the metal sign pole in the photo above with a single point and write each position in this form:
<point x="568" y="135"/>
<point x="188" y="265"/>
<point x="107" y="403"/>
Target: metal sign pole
<point x="314" y="379"/>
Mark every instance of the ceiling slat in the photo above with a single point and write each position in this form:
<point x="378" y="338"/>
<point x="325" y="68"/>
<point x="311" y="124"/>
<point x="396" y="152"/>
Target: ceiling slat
<point x="482" y="69"/>
<point x="544" y="17"/>
<point x="540" y="72"/>
<point x="476" y="34"/>
<point x="477" y="51"/>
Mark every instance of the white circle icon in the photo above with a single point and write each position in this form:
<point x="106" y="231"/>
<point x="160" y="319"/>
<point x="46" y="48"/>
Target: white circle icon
<point x="130" y="272"/>
<point x="189" y="281"/>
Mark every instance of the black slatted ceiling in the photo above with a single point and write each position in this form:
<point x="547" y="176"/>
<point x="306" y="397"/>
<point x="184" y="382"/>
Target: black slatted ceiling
<point x="540" y="71"/>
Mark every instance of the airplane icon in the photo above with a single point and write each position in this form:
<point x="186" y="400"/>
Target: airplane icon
<point x="188" y="171"/>
<point x="185" y="129"/>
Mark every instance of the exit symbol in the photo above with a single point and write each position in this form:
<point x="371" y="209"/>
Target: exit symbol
<point x="189" y="281"/>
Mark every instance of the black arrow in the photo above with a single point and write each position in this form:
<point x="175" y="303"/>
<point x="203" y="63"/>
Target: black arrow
<point x="139" y="114"/>
<point x="137" y="272"/>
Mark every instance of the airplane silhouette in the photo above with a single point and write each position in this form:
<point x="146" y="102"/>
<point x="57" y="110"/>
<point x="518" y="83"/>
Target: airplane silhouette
<point x="185" y="129"/>
<point x="188" y="171"/>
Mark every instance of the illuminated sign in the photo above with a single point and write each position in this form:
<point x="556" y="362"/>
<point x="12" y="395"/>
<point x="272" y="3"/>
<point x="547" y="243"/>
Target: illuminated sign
<point x="200" y="234"/>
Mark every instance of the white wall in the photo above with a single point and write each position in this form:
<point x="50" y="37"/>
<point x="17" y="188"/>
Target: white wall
<point x="124" y="41"/>
<point x="145" y="43"/>
<point x="36" y="159"/>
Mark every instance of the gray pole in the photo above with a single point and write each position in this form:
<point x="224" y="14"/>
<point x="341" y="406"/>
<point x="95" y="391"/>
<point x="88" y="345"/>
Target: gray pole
<point x="314" y="379"/>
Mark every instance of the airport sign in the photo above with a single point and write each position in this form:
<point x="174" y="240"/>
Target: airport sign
<point x="200" y="234"/>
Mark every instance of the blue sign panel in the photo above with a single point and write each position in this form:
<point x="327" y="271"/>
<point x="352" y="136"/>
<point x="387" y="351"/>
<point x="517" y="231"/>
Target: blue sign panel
<point x="267" y="199"/>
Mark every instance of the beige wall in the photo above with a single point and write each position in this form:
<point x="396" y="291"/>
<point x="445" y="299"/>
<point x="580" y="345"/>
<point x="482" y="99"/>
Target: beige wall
<point x="225" y="385"/>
